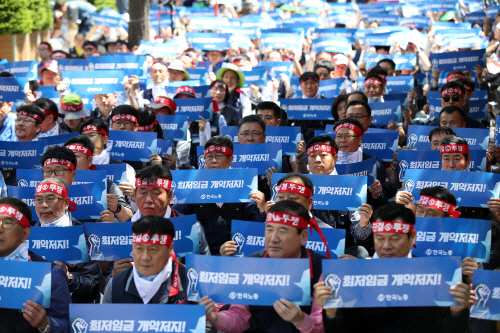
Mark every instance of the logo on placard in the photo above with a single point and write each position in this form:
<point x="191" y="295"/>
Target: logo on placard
<point x="239" y="239"/>
<point x="381" y="298"/>
<point x="412" y="141"/>
<point x="201" y="162"/>
<point x="432" y="109"/>
<point x="434" y="64"/>
<point x="334" y="282"/>
<point x="95" y="244"/>
<point x="67" y="82"/>
<point x="22" y="183"/>
<point x="284" y="107"/>
<point x="109" y="145"/>
<point x="79" y="325"/>
<point x="483" y="294"/>
<point x="403" y="165"/>
<point x="409" y="185"/>
<point x="91" y="66"/>
<point x="192" y="292"/>
<point x="293" y="87"/>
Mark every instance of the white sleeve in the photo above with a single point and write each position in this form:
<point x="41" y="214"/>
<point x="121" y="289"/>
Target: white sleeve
<point x="206" y="134"/>
<point x="222" y="123"/>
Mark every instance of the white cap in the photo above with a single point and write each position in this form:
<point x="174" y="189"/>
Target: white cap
<point x="340" y="59"/>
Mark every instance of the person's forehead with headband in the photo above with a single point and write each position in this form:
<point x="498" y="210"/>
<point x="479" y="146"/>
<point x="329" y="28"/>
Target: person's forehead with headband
<point x="218" y="153"/>
<point x="15" y="218"/>
<point x="322" y="154"/>
<point x="437" y="207"/>
<point x="296" y="188"/>
<point x="374" y="86"/>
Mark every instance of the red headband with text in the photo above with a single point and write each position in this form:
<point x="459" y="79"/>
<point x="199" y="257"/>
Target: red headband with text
<point x="218" y="149"/>
<point x="321" y="147"/>
<point x="155" y="239"/>
<point x="72" y="107"/>
<point x="14" y="213"/>
<point x="454" y="148"/>
<point x="439" y="205"/>
<point x="219" y="84"/>
<point x="392" y="227"/>
<point x="47" y="112"/>
<point x="79" y="149"/>
<point x="295" y="188"/>
<point x="382" y="76"/>
<point x="122" y="116"/>
<point x="93" y="128"/>
<point x="374" y="81"/>
<point x="310" y="78"/>
<point x="53" y="188"/>
<point x="147" y="128"/>
<point x="452" y="76"/>
<point x="158" y="182"/>
<point x="30" y="115"/>
<point x="350" y="126"/>
<point x="452" y="91"/>
<point x="59" y="161"/>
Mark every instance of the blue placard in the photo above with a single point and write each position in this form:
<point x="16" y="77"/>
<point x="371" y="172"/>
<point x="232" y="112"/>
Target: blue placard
<point x="257" y="77"/>
<point x="333" y="192"/>
<point x="478" y="109"/>
<point x="476" y="17"/>
<point x="163" y="147"/>
<point x="249" y="237"/>
<point x="384" y="112"/>
<point x="157" y="50"/>
<point x="467" y="42"/>
<point x="21" y="155"/>
<point x="366" y="168"/>
<point x="274" y="69"/>
<point x="280" y="41"/>
<point x="340" y="32"/>
<point x="117" y="173"/>
<point x="213" y="186"/>
<point x="308" y="109"/>
<point x="94" y="82"/>
<point x="457" y="61"/>
<point x="418" y="137"/>
<point x="109" y="21"/>
<point x="198" y="74"/>
<point x="420" y="22"/>
<point x="59" y="140"/>
<point x="487" y="287"/>
<point x="202" y="91"/>
<point x="418" y="159"/>
<point x="437" y="236"/>
<point x="249" y="281"/>
<point x="31" y="177"/>
<point x="21" y="281"/>
<point x="471" y="189"/>
<point x="207" y="22"/>
<point x="381" y="145"/>
<point x="13" y="88"/>
<point x="260" y="156"/>
<point x="435" y="108"/>
<point x="208" y="41"/>
<point x="129" y="64"/>
<point x="395" y="84"/>
<point x="174" y="127"/>
<point x="27" y="69"/>
<point x="195" y="107"/>
<point x="331" y="88"/>
<point x="383" y="39"/>
<point x="332" y="44"/>
<point x="131" y="146"/>
<point x="497" y="130"/>
<point x="65" y="244"/>
<point x="109" y="241"/>
<point x="391" y="282"/>
<point x="145" y="318"/>
<point x="186" y="235"/>
<point x="403" y="61"/>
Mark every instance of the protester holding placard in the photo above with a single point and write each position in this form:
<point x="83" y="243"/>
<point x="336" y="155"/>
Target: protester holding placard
<point x="48" y="72"/>
<point x="235" y="79"/>
<point x="220" y="93"/>
<point x="50" y="125"/>
<point x="28" y="123"/>
<point x="15" y="217"/>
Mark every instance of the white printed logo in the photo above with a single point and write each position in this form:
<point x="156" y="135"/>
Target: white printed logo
<point x="483" y="294"/>
<point x="79" y="325"/>
<point x="23" y="183"/>
<point x="239" y="239"/>
<point x="95" y="244"/>
<point x="403" y="165"/>
<point x="192" y="292"/>
<point x="412" y="141"/>
<point x="109" y="145"/>
<point x="334" y="282"/>
<point x="409" y="185"/>
<point x="381" y="298"/>
<point x="67" y="83"/>
<point x="201" y="162"/>
<point x="434" y="64"/>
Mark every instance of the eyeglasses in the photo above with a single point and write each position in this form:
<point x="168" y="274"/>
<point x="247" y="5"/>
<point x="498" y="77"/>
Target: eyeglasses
<point x="20" y="120"/>
<point x="8" y="223"/>
<point x="210" y="157"/>
<point x="49" y="200"/>
<point x="455" y="98"/>
<point x="91" y="135"/>
<point x="347" y="137"/>
<point x="124" y="123"/>
<point x="57" y="172"/>
<point x="357" y="117"/>
<point x="253" y="134"/>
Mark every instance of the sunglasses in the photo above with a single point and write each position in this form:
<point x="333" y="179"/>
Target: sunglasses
<point x="455" y="98"/>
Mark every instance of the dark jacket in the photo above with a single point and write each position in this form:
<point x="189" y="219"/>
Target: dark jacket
<point x="12" y="320"/>
<point x="230" y="114"/>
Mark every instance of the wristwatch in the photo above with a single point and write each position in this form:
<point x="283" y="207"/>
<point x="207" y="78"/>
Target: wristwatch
<point x="47" y="328"/>
<point x="70" y="278"/>
<point x="118" y="209"/>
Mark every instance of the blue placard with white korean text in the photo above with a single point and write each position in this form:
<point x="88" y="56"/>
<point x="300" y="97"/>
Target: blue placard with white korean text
<point x="331" y="88"/>
<point x="418" y="159"/>
<point x="418" y="137"/>
<point x="174" y="127"/>
<point x="332" y="192"/>
<point x="471" y="189"/>
<point x="249" y="281"/>
<point x="395" y="84"/>
<point x="208" y="41"/>
<point x="109" y="241"/>
<point x="212" y="186"/>
<point x="384" y="112"/>
<point x="64" y="244"/>
<point x="308" y="109"/>
<point x="27" y="69"/>
<point x="381" y="145"/>
<point x="109" y="21"/>
<point x="193" y="108"/>
<point x="13" y="88"/>
<point x="366" y="168"/>
<point x="200" y="74"/>
<point x="332" y="44"/>
<point x="457" y="61"/>
<point x="487" y="287"/>
<point x="478" y="109"/>
<point x="163" y="147"/>
<point x="340" y="32"/>
<point x="437" y="236"/>
<point x="202" y="91"/>
<point x="131" y="146"/>
<point x="274" y="69"/>
<point x="129" y="64"/>
<point x="117" y="173"/>
<point x="31" y="177"/>
<point x="257" y="77"/>
<point x="249" y="237"/>
<point x="157" y="50"/>
<point x="260" y="156"/>
<point x="94" y="82"/>
<point x="391" y="282"/>
<point x="21" y="155"/>
<point x="21" y="281"/>
<point x="72" y="65"/>
<point x="146" y="318"/>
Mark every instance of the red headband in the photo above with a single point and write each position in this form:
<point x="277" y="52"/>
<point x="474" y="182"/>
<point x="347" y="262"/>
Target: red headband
<point x="374" y="81"/>
<point x="17" y="215"/>
<point x="382" y="76"/>
<point x="45" y="46"/>
<point x="452" y="91"/>
<point x="53" y="188"/>
<point x="72" y="107"/>
<point x="158" y="182"/>
<point x="187" y="59"/>
<point x="310" y="78"/>
<point x="218" y="149"/>
<point x="439" y="205"/>
<point x="92" y="128"/>
<point x="220" y="84"/>
<point x="295" y="188"/>
<point x="242" y="62"/>
<point x="47" y="112"/>
<point x="90" y="46"/>
<point x="452" y="76"/>
<point x="350" y="126"/>
<point x="147" y="128"/>
<point x="321" y="147"/>
<point x="79" y="149"/>
<point x="51" y="161"/>
<point x="454" y="148"/>
<point x="30" y="115"/>
<point x="121" y="116"/>
<point x="392" y="227"/>
<point x="156" y="239"/>
<point x="59" y="54"/>
<point x="466" y="86"/>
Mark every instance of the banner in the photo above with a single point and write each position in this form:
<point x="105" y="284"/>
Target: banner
<point x="384" y="112"/>
<point x="420" y="22"/>
<point x="174" y="127"/>
<point x="366" y="168"/>
<point x="332" y="192"/>
<point x="13" y="88"/>
<point x="129" y="64"/>
<point x="471" y="189"/>
<point x="418" y="137"/>
<point x="275" y="69"/>
<point x="307" y="109"/>
<point x="145" y="318"/>
<point x="457" y="61"/>
<point x="281" y="41"/>
<point x="117" y="173"/>
<point x="331" y="88"/>
<point x="21" y="155"/>
<point x="260" y="156"/>
<point x="248" y="281"/>
<point x="208" y="41"/>
<point x="131" y="146"/>
<point x="257" y="77"/>
<point x="250" y="238"/>
<point x="21" y="281"/>
<point x="200" y="74"/>
<point x="27" y="69"/>
<point x="94" y="82"/>
<point x="391" y="282"/>
<point x="109" y="21"/>
<point x="437" y="236"/>
<point x="193" y="108"/>
<point x="487" y="287"/>
<point x="381" y="145"/>
<point x="338" y="32"/>
<point x="64" y="244"/>
<point x="332" y="44"/>
<point x="213" y="186"/>
<point x="31" y="177"/>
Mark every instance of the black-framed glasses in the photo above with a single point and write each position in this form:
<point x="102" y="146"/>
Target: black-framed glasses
<point x="348" y="137"/>
<point x="57" y="172"/>
<point x="455" y="98"/>
<point x="49" y="200"/>
<point x="357" y="117"/>
<point x="253" y="134"/>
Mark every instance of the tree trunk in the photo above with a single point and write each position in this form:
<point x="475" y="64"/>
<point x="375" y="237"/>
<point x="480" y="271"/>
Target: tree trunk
<point x="138" y="27"/>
